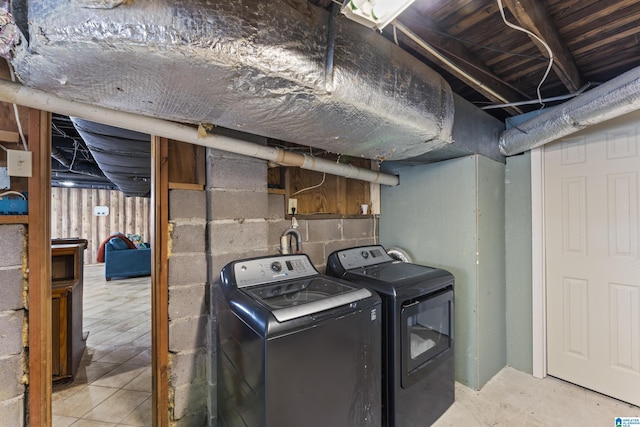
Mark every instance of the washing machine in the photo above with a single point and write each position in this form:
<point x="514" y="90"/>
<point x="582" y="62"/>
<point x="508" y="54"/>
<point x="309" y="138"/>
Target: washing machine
<point x="296" y="348"/>
<point x="417" y="332"/>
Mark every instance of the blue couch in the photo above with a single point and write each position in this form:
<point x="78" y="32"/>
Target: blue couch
<point x="122" y="261"/>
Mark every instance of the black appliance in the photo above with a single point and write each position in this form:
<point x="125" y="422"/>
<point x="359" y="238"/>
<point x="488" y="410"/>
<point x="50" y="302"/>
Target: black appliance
<point x="417" y="337"/>
<point x="296" y="348"/>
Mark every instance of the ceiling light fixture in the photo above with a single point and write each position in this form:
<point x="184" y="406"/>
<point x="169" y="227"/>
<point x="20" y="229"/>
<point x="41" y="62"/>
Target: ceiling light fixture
<point x="374" y="13"/>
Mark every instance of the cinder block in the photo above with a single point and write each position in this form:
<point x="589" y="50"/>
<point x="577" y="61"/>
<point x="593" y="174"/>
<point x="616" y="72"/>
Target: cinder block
<point x="316" y="253"/>
<point x="12" y="411"/>
<point x="241" y="204"/>
<point x="188" y="237"/>
<point x="190" y="399"/>
<point x="366" y="242"/>
<point x="238" y="236"/>
<point x="198" y="419"/>
<point x="359" y="228"/>
<point x="188" y="301"/>
<point x="11" y="244"/>
<point x="188" y="367"/>
<point x="11" y="289"/>
<point x="11" y="332"/>
<point x="237" y="173"/>
<point x="188" y="334"/>
<point x="189" y="268"/>
<point x="276" y="206"/>
<point x="187" y="204"/>
<point x="10" y="376"/>
<point x="325" y="230"/>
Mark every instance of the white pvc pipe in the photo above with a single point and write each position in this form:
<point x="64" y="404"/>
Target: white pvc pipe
<point x="16" y="93"/>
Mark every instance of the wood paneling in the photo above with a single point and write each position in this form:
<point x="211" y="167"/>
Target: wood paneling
<point x="72" y="216"/>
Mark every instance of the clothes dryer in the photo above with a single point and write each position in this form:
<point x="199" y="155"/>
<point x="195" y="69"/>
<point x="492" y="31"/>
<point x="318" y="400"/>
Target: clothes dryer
<point x="417" y="334"/>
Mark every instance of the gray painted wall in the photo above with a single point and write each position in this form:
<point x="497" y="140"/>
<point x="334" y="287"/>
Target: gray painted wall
<point x="451" y="215"/>
<point x="518" y="261"/>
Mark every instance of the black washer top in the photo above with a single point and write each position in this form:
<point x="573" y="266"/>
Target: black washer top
<point x="372" y="267"/>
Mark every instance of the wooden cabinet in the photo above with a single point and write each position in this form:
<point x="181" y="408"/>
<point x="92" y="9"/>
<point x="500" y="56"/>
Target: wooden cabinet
<point x="68" y="339"/>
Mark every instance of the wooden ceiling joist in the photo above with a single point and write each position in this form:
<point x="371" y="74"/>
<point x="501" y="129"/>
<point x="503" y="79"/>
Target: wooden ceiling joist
<point x="467" y="67"/>
<point x="531" y="15"/>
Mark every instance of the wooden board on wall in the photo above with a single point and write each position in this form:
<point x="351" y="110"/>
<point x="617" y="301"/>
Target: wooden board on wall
<point x="186" y="166"/>
<point x="336" y="195"/>
<point x="72" y="216"/>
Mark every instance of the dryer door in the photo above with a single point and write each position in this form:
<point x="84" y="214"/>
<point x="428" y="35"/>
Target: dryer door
<point x="427" y="334"/>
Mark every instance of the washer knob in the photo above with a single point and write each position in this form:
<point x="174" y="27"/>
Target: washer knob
<point x="364" y="254"/>
<point x="276" y="266"/>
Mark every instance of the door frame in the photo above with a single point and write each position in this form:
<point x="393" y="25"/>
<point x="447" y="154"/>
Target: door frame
<point x="538" y="265"/>
<point x="39" y="403"/>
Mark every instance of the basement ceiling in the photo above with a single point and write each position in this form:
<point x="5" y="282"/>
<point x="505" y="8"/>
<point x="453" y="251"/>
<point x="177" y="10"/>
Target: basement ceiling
<point x="489" y="63"/>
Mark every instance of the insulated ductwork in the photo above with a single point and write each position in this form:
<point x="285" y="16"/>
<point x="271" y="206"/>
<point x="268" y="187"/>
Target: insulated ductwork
<point x="272" y="68"/>
<point x="614" y="98"/>
<point x="123" y="155"/>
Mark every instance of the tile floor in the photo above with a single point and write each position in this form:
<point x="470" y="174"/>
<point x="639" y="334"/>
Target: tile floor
<point x="113" y="384"/>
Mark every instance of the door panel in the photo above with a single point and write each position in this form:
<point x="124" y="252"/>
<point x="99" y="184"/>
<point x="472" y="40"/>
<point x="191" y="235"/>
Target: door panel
<point x="592" y="257"/>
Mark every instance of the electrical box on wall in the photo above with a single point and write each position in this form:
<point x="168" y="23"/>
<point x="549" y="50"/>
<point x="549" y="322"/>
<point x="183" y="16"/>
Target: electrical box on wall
<point x="101" y="210"/>
<point x="19" y="163"/>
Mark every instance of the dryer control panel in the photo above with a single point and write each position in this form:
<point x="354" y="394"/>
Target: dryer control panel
<point x="272" y="269"/>
<point x="363" y="256"/>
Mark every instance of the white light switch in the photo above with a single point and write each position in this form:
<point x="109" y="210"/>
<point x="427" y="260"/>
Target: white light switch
<point x="19" y="163"/>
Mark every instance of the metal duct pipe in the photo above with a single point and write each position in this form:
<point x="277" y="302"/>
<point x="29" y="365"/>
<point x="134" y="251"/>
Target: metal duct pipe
<point x="15" y="93"/>
<point x="614" y="98"/>
<point x="272" y="68"/>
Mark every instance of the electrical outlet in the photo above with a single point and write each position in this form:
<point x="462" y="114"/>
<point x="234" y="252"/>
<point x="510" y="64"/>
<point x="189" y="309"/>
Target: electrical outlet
<point x="19" y="163"/>
<point x="293" y="204"/>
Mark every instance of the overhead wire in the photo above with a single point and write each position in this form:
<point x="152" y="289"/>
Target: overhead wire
<point x="524" y="30"/>
<point x="15" y="110"/>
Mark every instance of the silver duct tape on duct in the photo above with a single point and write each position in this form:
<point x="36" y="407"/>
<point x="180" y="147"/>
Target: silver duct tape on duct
<point x="255" y="66"/>
<point x="614" y="98"/>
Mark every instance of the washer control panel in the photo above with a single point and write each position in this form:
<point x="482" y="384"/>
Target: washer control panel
<point x="363" y="256"/>
<point x="272" y="269"/>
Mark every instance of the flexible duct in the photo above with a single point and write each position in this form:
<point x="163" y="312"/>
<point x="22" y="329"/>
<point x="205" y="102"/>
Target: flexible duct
<point x="614" y="98"/>
<point x="260" y="67"/>
<point x="15" y="93"/>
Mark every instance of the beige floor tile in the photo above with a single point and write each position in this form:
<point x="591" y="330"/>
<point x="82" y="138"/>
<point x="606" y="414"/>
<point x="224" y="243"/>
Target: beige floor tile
<point x="62" y="421"/>
<point x="83" y="401"/>
<point x="116" y="313"/>
<point x="119" y="376"/>
<point x="141" y="416"/>
<point x="142" y="382"/>
<point x="118" y="406"/>
<point x="143" y="358"/>
<point x="121" y="354"/>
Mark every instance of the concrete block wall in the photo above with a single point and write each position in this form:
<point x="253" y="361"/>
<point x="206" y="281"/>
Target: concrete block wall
<point x="12" y="317"/>
<point x="188" y="308"/>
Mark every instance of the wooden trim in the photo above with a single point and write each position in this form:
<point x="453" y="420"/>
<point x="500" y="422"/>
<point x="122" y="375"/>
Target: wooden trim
<point x="14" y="219"/>
<point x="184" y="186"/>
<point x="160" y="280"/>
<point x="538" y="279"/>
<point x="40" y="270"/>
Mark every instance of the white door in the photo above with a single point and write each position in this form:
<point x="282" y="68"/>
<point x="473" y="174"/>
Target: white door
<point x="593" y="266"/>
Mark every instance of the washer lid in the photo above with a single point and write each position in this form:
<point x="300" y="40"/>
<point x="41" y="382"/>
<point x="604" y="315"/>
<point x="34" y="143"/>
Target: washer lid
<point x="292" y="299"/>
